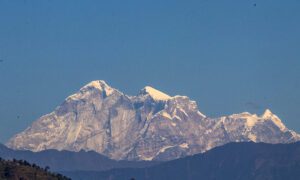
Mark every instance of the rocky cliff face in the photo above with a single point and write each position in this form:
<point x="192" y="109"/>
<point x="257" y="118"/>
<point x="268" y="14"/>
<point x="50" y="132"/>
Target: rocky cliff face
<point x="149" y="126"/>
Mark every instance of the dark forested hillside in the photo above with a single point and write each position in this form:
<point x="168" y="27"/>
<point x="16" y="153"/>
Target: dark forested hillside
<point x="245" y="161"/>
<point x="22" y="170"/>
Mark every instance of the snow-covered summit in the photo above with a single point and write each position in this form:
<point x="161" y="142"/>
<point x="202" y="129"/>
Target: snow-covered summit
<point x="267" y="114"/>
<point x="97" y="85"/>
<point x="100" y="85"/>
<point x="154" y="93"/>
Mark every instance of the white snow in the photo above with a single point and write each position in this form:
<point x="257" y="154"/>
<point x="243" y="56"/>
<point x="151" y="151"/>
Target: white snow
<point x="102" y="86"/>
<point x="268" y="115"/>
<point x="184" y="145"/>
<point x="177" y="117"/>
<point x="156" y="94"/>
<point x="98" y="84"/>
<point x="252" y="137"/>
<point x="146" y="158"/>
<point x="95" y="84"/>
<point x="251" y="120"/>
<point x="109" y="91"/>
<point x="201" y="114"/>
<point x="163" y="149"/>
<point x="240" y="115"/>
<point x="73" y="96"/>
<point x="165" y="114"/>
<point x="183" y="111"/>
<point x="179" y="96"/>
<point x="278" y="123"/>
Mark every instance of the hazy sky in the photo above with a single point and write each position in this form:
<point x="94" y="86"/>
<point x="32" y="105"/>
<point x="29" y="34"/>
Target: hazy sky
<point x="229" y="56"/>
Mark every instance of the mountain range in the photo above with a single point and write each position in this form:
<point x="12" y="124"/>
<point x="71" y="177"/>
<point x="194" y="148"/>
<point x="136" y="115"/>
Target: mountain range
<point x="149" y="126"/>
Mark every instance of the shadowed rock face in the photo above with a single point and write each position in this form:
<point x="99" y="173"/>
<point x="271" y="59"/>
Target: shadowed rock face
<point x="149" y="126"/>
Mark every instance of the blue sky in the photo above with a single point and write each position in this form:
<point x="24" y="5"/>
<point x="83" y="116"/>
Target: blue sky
<point x="229" y="56"/>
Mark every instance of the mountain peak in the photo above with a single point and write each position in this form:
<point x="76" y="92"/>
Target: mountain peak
<point x="154" y="93"/>
<point x="99" y="84"/>
<point x="267" y="114"/>
<point x="276" y="120"/>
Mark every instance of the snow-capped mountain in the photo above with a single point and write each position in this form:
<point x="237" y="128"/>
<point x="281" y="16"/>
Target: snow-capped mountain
<point x="149" y="126"/>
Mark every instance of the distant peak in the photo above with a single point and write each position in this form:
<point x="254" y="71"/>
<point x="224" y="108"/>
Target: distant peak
<point x="267" y="114"/>
<point x="100" y="85"/>
<point x="154" y="93"/>
<point x="97" y="84"/>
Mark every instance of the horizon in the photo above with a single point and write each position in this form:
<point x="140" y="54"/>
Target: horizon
<point x="229" y="57"/>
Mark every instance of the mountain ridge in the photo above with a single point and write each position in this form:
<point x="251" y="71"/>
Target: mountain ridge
<point x="244" y="160"/>
<point x="149" y="126"/>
